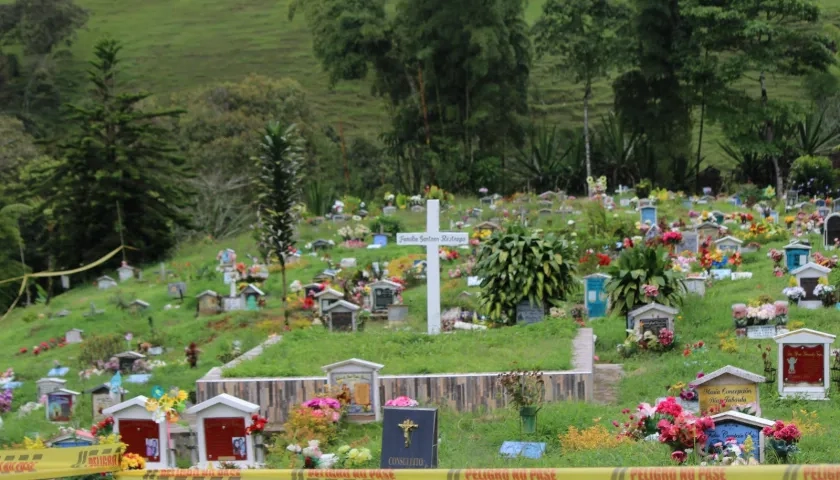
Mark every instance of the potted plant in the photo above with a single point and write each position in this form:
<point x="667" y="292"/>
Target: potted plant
<point x="525" y="390"/>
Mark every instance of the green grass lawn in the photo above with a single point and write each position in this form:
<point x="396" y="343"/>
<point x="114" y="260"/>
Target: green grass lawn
<point x="546" y="346"/>
<point x="174" y="46"/>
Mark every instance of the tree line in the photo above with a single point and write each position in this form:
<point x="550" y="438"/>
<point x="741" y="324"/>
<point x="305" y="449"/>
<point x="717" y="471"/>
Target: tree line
<point x="92" y="164"/>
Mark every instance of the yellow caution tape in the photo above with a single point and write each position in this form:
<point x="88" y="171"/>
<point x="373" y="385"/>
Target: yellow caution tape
<point x="56" y="274"/>
<point x="59" y="462"/>
<point x="759" y="472"/>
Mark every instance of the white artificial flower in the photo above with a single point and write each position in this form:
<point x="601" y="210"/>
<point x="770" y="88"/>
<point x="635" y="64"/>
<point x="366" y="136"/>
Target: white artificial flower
<point x="314" y="443"/>
<point x="293" y="448"/>
<point x="570" y="222"/>
<point x="327" y="461"/>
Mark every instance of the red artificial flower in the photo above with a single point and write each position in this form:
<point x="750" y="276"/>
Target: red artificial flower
<point x="23" y="350"/>
<point x="678" y="456"/>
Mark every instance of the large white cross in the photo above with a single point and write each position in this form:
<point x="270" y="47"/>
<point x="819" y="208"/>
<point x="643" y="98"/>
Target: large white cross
<point x="433" y="239"/>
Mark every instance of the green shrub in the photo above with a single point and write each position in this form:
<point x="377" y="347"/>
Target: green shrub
<point x="391" y="225"/>
<point x="518" y="266"/>
<point x="812" y="176"/>
<point x="100" y="347"/>
<point x="640" y="266"/>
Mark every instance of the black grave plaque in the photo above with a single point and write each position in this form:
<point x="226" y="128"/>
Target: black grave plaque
<point x="809" y="284"/>
<point x="527" y="313"/>
<point x="409" y="438"/>
<point x="654" y="325"/>
<point x="382" y="298"/>
<point x="341" y="321"/>
<point x="832" y="229"/>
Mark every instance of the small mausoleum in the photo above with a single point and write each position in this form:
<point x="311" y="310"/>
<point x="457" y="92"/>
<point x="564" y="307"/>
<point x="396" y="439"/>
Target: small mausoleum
<point x="220" y="426"/>
<point x="141" y="434"/>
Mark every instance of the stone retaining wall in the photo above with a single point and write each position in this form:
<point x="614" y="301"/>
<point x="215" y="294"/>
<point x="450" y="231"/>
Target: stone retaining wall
<point x="462" y="392"/>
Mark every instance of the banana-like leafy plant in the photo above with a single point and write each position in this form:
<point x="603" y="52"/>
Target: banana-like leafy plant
<point x="637" y="268"/>
<point x="517" y="266"/>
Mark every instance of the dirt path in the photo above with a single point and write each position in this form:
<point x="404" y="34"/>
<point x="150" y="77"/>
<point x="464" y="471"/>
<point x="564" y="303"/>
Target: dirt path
<point x="607" y="378"/>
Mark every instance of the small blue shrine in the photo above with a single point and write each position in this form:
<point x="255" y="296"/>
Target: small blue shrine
<point x="595" y="293"/>
<point x="648" y="214"/>
<point x="797" y="254"/>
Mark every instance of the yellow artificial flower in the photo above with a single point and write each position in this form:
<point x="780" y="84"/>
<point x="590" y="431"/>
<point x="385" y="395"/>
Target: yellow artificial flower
<point x="182" y="395"/>
<point x="152" y="404"/>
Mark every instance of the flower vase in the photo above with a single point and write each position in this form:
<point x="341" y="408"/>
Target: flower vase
<point x="259" y="448"/>
<point x="528" y="418"/>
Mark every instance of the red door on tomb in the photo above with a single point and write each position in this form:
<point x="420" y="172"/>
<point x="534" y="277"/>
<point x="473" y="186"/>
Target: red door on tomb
<point x="224" y="439"/>
<point x="142" y="438"/>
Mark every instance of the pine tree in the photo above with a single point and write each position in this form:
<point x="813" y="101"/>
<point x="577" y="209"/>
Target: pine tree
<point x="120" y="178"/>
<point x="278" y="185"/>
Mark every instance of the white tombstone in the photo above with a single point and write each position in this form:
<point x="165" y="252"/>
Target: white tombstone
<point x="105" y="282"/>
<point x="347" y="262"/>
<point x="804" y="364"/>
<point x="361" y="379"/>
<point x="654" y="316"/>
<point x="433" y="239"/>
<point x="138" y="305"/>
<point x="808" y="276"/>
<point x="73" y="335"/>
<point x="49" y="385"/>
<point x="341" y="316"/>
<point x="141" y="434"/>
<point x="696" y="285"/>
<point x="729" y="243"/>
<point x="220" y="423"/>
<point x="327" y="297"/>
<point x="125" y="273"/>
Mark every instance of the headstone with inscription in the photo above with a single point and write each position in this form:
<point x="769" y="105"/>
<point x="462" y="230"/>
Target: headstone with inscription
<point x="409" y="438"/>
<point x="804" y="360"/>
<point x="528" y="313"/>
<point x="729" y="386"/>
<point x="737" y="425"/>
<point x="652" y="317"/>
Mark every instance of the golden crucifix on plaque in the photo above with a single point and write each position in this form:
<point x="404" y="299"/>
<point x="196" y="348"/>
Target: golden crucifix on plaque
<point x="407" y="427"/>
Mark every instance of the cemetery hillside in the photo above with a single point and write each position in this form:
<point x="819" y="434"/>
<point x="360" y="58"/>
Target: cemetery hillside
<point x="253" y="238"/>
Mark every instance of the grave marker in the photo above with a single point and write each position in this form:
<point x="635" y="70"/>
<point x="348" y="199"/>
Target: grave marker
<point x="177" y="289"/>
<point x="596" y="294"/>
<point x="739" y="425"/>
<point x="105" y="282"/>
<point x="341" y="316"/>
<point x="125" y="272"/>
<point x="647" y="215"/>
<point x="729" y="244"/>
<point x="221" y="423"/>
<point x="73" y="336"/>
<point x="209" y="303"/>
<point x="804" y="364"/>
<point x="141" y="434"/>
<point x="383" y="293"/>
<point x="433" y="239"/>
<point x="732" y="385"/>
<point x="832" y="229"/>
<point x="60" y="405"/>
<point x="327" y="297"/>
<point x="528" y="313"/>
<point x="690" y="242"/>
<point x="797" y="253"/>
<point x="653" y="317"/>
<point x="409" y="438"/>
<point x="358" y="380"/>
<point x="45" y="386"/>
<point x="808" y="277"/>
<point x="530" y="450"/>
<point x="102" y="399"/>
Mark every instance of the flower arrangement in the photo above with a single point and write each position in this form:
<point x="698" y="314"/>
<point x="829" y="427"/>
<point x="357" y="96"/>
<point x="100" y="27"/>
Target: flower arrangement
<point x="166" y="406"/>
<point x="326" y="407"/>
<point x="578" y="312"/>
<point x="132" y="461"/>
<point x="104" y="427"/>
<point x="783" y="439"/>
<point x="637" y="340"/>
<point x="354" y="232"/>
<point x="729" y="452"/>
<point x="257" y="426"/>
<point x="483" y="190"/>
<point x="758" y="313"/>
<point x="691" y="348"/>
<point x="672" y="238"/>
<point x="402" y="401"/>
<point x="825" y="292"/>
<point x="651" y="291"/>
<point x="448" y="254"/>
<point x="523" y="388"/>
<point x="191" y="353"/>
<point x="6" y="400"/>
<point x="794" y="294"/>
<point x="668" y="423"/>
<point x="828" y="262"/>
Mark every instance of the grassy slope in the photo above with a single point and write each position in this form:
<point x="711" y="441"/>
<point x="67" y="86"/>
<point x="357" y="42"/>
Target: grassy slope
<point x="474" y="440"/>
<point x="171" y="46"/>
<point x="304" y="354"/>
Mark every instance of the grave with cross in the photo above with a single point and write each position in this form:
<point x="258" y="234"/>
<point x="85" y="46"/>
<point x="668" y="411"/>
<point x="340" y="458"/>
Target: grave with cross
<point x="433" y="239"/>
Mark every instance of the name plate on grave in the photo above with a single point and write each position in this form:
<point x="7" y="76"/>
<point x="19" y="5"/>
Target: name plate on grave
<point x="409" y="438"/>
<point x="444" y="238"/>
<point x="733" y="395"/>
<point x="761" y="331"/>
<point x="526" y="313"/>
<point x="654" y="325"/>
